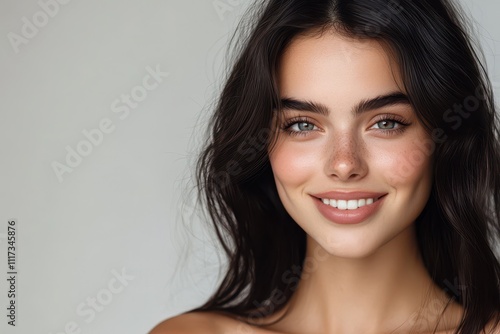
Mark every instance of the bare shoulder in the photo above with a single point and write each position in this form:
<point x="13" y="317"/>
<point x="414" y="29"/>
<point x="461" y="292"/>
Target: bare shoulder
<point x="492" y="327"/>
<point x="195" y="322"/>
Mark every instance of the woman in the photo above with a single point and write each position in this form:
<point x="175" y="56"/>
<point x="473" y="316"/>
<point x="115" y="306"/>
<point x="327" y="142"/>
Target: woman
<point x="353" y="175"/>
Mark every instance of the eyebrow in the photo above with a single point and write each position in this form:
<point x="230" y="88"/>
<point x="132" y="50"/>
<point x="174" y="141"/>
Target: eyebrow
<point x="365" y="105"/>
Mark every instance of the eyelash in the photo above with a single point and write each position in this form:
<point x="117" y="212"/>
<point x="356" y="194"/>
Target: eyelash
<point x="403" y="124"/>
<point x="381" y="118"/>
<point x="288" y="124"/>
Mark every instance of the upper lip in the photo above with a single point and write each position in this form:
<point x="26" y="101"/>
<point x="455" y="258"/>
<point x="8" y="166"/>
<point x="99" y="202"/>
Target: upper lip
<point x="343" y="195"/>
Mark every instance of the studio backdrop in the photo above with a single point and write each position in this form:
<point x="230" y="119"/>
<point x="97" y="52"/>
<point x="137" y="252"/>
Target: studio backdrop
<point x="104" y="106"/>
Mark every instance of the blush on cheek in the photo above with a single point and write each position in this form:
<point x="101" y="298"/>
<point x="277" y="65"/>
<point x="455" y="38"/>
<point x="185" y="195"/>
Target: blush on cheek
<point x="293" y="165"/>
<point x="410" y="164"/>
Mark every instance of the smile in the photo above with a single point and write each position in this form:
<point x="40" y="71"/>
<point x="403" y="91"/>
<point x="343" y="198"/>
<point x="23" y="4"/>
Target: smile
<point x="349" y="208"/>
<point x="351" y="204"/>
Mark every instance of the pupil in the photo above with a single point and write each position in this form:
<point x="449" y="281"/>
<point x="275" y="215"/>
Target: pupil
<point x="305" y="126"/>
<point x="386" y="124"/>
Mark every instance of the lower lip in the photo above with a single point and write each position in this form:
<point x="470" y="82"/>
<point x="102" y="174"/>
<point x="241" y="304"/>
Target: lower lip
<point x="348" y="216"/>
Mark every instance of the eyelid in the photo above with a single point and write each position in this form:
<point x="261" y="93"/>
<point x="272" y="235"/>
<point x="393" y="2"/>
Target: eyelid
<point x="298" y="119"/>
<point x="403" y="123"/>
<point x="393" y="117"/>
<point x="288" y="123"/>
<point x="400" y="120"/>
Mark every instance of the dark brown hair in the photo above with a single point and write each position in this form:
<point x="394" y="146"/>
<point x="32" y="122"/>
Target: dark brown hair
<point x="440" y="70"/>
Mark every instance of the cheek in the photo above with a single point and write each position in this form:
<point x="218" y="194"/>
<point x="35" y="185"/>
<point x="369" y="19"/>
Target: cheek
<point x="411" y="162"/>
<point x="293" y="165"/>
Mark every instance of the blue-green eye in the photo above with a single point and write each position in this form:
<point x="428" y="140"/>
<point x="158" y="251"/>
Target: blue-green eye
<point x="386" y="124"/>
<point x="390" y="124"/>
<point x="299" y="126"/>
<point x="303" y="126"/>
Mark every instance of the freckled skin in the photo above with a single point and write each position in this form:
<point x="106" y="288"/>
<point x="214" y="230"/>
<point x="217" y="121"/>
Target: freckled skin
<point x="373" y="278"/>
<point x="344" y="153"/>
<point x="364" y="278"/>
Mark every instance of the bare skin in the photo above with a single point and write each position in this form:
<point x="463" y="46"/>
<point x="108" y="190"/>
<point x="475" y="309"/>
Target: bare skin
<point x="367" y="277"/>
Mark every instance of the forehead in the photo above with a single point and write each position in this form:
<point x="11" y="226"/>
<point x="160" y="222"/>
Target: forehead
<point x="332" y="67"/>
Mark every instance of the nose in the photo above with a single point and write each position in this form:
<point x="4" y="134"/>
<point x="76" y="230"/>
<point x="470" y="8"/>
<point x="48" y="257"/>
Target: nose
<point x="346" y="158"/>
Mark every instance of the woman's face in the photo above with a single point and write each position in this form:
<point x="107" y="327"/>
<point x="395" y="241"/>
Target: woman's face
<point x="348" y="137"/>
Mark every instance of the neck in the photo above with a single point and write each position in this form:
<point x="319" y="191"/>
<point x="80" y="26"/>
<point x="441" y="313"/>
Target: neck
<point x="374" y="294"/>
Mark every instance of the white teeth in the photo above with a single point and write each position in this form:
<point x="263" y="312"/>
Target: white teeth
<point x="341" y="204"/>
<point x="351" y="204"/>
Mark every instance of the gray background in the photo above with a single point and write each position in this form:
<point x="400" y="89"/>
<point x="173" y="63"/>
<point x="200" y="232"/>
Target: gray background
<point x="126" y="207"/>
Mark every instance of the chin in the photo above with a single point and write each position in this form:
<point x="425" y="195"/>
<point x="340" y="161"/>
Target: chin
<point x="362" y="244"/>
<point x="349" y="250"/>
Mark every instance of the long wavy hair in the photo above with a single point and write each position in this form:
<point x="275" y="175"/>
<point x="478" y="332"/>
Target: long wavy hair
<point x="450" y="91"/>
